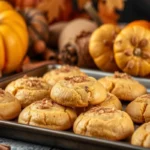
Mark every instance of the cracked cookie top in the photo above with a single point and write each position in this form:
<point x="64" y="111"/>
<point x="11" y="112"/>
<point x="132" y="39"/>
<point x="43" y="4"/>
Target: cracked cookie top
<point x="141" y="136"/>
<point x="65" y="71"/>
<point x="29" y="89"/>
<point x="48" y="114"/>
<point x="102" y="122"/>
<point x="123" y="86"/>
<point x="139" y="109"/>
<point x="78" y="91"/>
<point x="6" y="97"/>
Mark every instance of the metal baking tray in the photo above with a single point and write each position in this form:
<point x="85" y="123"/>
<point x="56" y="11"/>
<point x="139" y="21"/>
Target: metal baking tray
<point x="60" y="139"/>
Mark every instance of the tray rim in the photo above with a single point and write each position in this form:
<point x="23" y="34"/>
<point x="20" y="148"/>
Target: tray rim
<point x="69" y="135"/>
<point x="65" y="133"/>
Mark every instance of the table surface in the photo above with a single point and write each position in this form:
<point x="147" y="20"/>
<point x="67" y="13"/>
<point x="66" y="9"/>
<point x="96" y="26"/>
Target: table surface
<point x="19" y="145"/>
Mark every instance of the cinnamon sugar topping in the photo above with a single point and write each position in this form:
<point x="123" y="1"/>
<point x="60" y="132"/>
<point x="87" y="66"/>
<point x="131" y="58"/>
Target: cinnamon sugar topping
<point x="101" y="110"/>
<point x="77" y="79"/>
<point x="44" y="104"/>
<point x="2" y="91"/>
<point x="145" y="96"/>
<point x="33" y="83"/>
<point x="64" y="69"/>
<point x="121" y="75"/>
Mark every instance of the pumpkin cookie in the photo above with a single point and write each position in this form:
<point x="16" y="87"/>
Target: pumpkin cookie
<point x="123" y="86"/>
<point x="55" y="75"/>
<point x="107" y="123"/>
<point x="78" y="91"/>
<point x="111" y="101"/>
<point x="9" y="106"/>
<point x="48" y="114"/>
<point x="141" y="136"/>
<point x="28" y="89"/>
<point x="139" y="109"/>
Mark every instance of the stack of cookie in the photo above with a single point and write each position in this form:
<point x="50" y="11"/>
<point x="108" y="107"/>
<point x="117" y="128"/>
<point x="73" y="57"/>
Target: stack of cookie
<point x="66" y="98"/>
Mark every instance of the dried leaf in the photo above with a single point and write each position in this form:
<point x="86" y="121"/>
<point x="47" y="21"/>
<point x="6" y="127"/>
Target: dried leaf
<point x="81" y="3"/>
<point x="52" y="8"/>
<point x="107" y="10"/>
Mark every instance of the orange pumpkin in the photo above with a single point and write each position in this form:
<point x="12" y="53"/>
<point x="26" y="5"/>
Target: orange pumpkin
<point x="101" y="47"/>
<point x="142" y="23"/>
<point x="132" y="49"/>
<point x="13" y="38"/>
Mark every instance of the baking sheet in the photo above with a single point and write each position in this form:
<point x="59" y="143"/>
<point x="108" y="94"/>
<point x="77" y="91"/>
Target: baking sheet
<point x="61" y="139"/>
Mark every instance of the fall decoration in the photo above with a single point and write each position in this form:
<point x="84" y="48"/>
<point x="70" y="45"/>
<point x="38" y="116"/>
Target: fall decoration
<point x="132" y="50"/>
<point x="13" y="38"/>
<point x="101" y="47"/>
<point x="142" y="23"/>
<point x="73" y="43"/>
<point x="54" y="33"/>
<point x="56" y="10"/>
<point x="37" y="28"/>
<point x="110" y="16"/>
<point x="23" y="3"/>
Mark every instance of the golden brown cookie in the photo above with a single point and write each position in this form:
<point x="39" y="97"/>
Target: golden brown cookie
<point x="102" y="122"/>
<point x="123" y="86"/>
<point x="78" y="91"/>
<point x="139" y="109"/>
<point x="29" y="89"/>
<point x="111" y="101"/>
<point x="48" y="114"/>
<point x="9" y="106"/>
<point x="141" y="136"/>
<point x="55" y="75"/>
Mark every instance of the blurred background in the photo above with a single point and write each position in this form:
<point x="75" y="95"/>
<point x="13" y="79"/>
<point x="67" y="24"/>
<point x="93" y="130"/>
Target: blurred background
<point x="58" y="30"/>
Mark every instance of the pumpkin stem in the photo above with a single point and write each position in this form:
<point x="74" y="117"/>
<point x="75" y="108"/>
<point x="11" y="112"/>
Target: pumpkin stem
<point x="137" y="51"/>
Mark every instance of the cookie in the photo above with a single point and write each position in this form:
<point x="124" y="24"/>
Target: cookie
<point x="29" y="89"/>
<point x="106" y="123"/>
<point x="141" y="136"/>
<point x="48" y="114"/>
<point x="78" y="91"/>
<point x="111" y="101"/>
<point x="9" y="106"/>
<point x="139" y="109"/>
<point x="55" y="75"/>
<point x="123" y="86"/>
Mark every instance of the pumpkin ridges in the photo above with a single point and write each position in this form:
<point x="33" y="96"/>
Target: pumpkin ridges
<point x="142" y="23"/>
<point x="9" y="39"/>
<point x="2" y="53"/>
<point x="8" y="16"/>
<point x="19" y="31"/>
<point x="4" y="6"/>
<point x="132" y="54"/>
<point x="101" y="44"/>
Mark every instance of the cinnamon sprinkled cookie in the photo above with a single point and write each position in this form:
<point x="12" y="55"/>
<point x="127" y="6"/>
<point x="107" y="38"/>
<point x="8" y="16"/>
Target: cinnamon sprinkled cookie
<point x="123" y="86"/>
<point x="48" y="114"/>
<point x="102" y="122"/>
<point x="29" y="89"/>
<point x="78" y="91"/>
<point x="55" y="75"/>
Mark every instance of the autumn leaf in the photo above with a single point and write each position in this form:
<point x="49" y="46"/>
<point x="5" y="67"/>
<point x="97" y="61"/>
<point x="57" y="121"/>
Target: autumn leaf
<point x="52" y="8"/>
<point x="107" y="10"/>
<point x="81" y="3"/>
